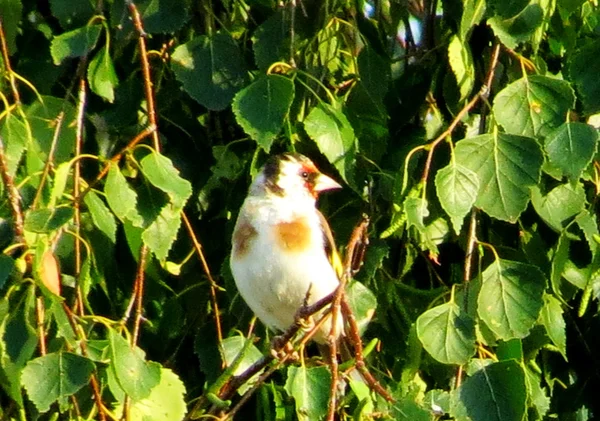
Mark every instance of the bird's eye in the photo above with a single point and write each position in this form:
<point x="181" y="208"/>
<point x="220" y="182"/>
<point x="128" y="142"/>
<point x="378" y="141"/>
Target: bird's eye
<point x="304" y="174"/>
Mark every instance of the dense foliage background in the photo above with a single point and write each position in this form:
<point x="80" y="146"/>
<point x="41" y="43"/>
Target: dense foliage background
<point x="465" y="130"/>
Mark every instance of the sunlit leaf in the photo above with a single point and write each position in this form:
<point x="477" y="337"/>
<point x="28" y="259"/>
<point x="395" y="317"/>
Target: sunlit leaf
<point x="447" y="334"/>
<point x="55" y="376"/>
<point x="161" y="173"/>
<point x="519" y="28"/>
<point x="166" y="401"/>
<point x="162" y="232"/>
<point x="231" y="349"/>
<point x="511" y="298"/>
<point x="47" y="220"/>
<point x="457" y="189"/>
<point x="461" y="62"/>
<point x="506" y="166"/>
<point x="533" y="105"/>
<point x="559" y="205"/>
<point x="211" y="70"/>
<point x="309" y="386"/>
<point x="571" y="147"/>
<point x="134" y="375"/>
<point x="334" y="135"/>
<point x="473" y="12"/>
<point x="497" y="392"/>
<point x="553" y="321"/>
<point x="102" y="76"/>
<point x="121" y="198"/>
<point x="262" y="107"/>
<point x="101" y="215"/>
<point x="75" y="43"/>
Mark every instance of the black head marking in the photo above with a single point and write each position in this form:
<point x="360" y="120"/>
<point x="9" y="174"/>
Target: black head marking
<point x="271" y="172"/>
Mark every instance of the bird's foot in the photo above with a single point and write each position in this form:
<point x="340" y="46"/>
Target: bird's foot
<point x="282" y="349"/>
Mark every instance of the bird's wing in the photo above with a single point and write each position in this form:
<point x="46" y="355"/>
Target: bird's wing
<point x="330" y="249"/>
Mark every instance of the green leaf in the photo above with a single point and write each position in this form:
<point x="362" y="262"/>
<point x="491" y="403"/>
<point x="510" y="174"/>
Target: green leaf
<point x="231" y="348"/>
<point x="55" y="376"/>
<point x="72" y="13"/>
<point x="42" y="118"/>
<point x="589" y="226"/>
<point x="537" y="395"/>
<point x="554" y="322"/>
<point x="560" y="259"/>
<point x="15" y="135"/>
<point x="447" y="334"/>
<point x="262" y="107"/>
<point x="571" y="147"/>
<point x="11" y="12"/>
<point x="457" y="189"/>
<point x="559" y="205"/>
<point x="362" y="302"/>
<point x="47" y="220"/>
<point x="519" y="28"/>
<point x="211" y="69"/>
<point x="584" y="67"/>
<point x="166" y="401"/>
<point x="101" y="215"/>
<point x="507" y="166"/>
<point x="162" y="232"/>
<point x="121" y="198"/>
<point x="374" y="74"/>
<point x="461" y="62"/>
<point x="511" y="298"/>
<point x="134" y="375"/>
<point x="160" y="172"/>
<point x="271" y="41"/>
<point x="101" y="75"/>
<point x="473" y="12"/>
<point x="415" y="209"/>
<point x="309" y="386"/>
<point x="533" y="105"/>
<point x="334" y="136"/>
<point x="497" y="392"/>
<point x="61" y="177"/>
<point x="7" y="264"/>
<point x="18" y="342"/>
<point x="165" y="16"/>
<point x="75" y="43"/>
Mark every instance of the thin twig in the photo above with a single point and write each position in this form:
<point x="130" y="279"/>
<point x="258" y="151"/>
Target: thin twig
<point x="213" y="284"/>
<point x="139" y="281"/>
<point x="117" y="157"/>
<point x="482" y="94"/>
<point x="357" y="234"/>
<point x="6" y="58"/>
<point x="81" y="104"/>
<point x="83" y="344"/>
<point x="137" y="23"/>
<point x="40" y="316"/>
<point x="14" y="198"/>
<point x="358" y="350"/>
<point x="58" y="126"/>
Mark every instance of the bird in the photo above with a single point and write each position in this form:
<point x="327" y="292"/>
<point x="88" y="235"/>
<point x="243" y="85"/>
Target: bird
<point x="283" y="253"/>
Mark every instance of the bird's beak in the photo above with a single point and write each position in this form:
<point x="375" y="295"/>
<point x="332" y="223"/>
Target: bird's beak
<point x="325" y="183"/>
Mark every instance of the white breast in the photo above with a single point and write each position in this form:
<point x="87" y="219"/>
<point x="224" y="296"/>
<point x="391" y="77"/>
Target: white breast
<point x="275" y="284"/>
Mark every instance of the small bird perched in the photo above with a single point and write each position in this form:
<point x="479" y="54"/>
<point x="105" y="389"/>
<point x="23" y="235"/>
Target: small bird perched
<point x="283" y="253"/>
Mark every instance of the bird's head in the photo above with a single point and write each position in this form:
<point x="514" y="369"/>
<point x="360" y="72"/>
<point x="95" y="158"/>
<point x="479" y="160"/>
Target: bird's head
<point x="292" y="175"/>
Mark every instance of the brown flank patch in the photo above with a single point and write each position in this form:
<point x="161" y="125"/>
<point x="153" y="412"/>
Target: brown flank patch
<point x="243" y="234"/>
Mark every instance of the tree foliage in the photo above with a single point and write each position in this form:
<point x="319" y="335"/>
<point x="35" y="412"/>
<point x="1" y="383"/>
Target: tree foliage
<point x="465" y="130"/>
